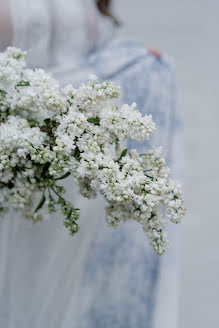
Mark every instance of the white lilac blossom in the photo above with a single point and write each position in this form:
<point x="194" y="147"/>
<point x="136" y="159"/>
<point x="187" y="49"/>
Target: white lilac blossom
<point x="47" y="134"/>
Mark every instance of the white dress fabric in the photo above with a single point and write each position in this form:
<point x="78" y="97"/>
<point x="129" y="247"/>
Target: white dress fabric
<point x="99" y="278"/>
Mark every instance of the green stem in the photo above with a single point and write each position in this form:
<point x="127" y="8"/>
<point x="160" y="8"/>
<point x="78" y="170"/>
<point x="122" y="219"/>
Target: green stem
<point x="57" y="194"/>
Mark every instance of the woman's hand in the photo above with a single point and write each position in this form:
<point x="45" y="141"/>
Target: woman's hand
<point x="155" y="52"/>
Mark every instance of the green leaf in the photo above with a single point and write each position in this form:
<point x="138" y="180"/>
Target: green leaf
<point x="148" y="176"/>
<point x="77" y="154"/>
<point x="39" y="170"/>
<point x="23" y="83"/>
<point x="17" y="57"/>
<point x="47" y="121"/>
<point x="2" y="92"/>
<point x="41" y="203"/>
<point x="42" y="169"/>
<point x="64" y="176"/>
<point x="46" y="167"/>
<point x="94" y="120"/>
<point x="123" y="153"/>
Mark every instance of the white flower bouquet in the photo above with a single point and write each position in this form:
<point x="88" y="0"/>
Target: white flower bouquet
<point x="47" y="134"/>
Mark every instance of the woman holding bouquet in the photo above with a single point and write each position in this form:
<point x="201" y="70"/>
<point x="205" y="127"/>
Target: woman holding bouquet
<point x="98" y="278"/>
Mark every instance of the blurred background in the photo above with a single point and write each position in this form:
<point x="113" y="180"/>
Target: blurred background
<point x="187" y="30"/>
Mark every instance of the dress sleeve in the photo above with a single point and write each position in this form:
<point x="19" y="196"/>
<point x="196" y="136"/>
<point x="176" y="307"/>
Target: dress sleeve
<point x="31" y="23"/>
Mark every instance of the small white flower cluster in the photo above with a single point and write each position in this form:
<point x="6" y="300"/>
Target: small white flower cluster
<point x="30" y="94"/>
<point x="46" y="134"/>
<point x="22" y="150"/>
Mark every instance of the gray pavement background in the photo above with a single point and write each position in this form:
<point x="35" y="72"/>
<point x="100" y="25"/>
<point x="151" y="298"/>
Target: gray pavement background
<point x="188" y="30"/>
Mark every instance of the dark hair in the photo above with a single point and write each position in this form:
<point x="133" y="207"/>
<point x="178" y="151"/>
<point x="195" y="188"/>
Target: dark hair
<point x="104" y="8"/>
